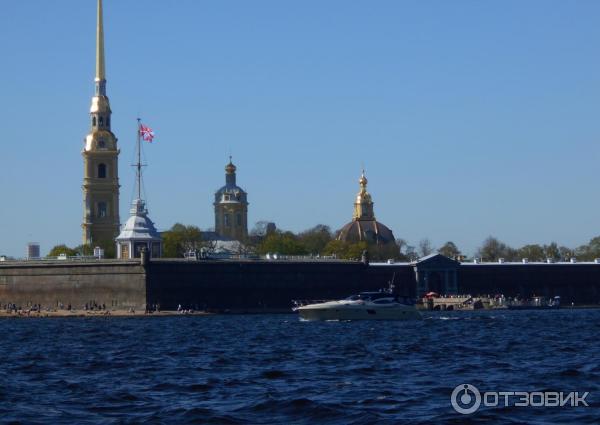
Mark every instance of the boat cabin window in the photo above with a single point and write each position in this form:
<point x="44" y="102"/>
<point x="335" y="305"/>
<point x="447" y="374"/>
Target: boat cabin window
<point x="384" y="301"/>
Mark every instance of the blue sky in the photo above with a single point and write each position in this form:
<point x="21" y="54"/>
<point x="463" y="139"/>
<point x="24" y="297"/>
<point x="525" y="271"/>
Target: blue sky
<point x="472" y="118"/>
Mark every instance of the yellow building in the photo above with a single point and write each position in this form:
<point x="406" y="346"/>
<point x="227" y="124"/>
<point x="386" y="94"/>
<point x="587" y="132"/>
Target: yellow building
<point x="100" y="160"/>
<point x="231" y="208"/>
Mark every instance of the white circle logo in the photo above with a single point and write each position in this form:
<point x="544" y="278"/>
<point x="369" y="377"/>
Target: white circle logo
<point x="465" y="399"/>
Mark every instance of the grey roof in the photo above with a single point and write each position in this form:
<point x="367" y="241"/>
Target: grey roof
<point x="138" y="226"/>
<point x="435" y="257"/>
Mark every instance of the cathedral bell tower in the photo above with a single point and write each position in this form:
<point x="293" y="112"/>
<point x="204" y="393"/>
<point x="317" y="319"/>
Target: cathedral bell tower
<point x="231" y="207"/>
<point x="100" y="160"/>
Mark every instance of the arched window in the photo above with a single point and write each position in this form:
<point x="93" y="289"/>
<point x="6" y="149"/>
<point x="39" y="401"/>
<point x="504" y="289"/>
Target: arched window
<point x="239" y="219"/>
<point x="101" y="171"/>
<point x="102" y="209"/>
<point x="93" y="121"/>
<point x="101" y="121"/>
<point x="227" y="223"/>
<point x="108" y="121"/>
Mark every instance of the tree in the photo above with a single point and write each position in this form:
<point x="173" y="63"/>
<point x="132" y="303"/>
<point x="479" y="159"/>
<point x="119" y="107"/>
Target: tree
<point x="345" y="250"/>
<point x="425" y="247"/>
<point x="108" y="245"/>
<point x="493" y="249"/>
<point x="285" y="243"/>
<point x="355" y="251"/>
<point x="315" y="239"/>
<point x="411" y="253"/>
<point x="565" y="253"/>
<point x="62" y="249"/>
<point x="532" y="252"/>
<point x="336" y="247"/>
<point x="84" y="250"/>
<point x="552" y="251"/>
<point x="588" y="252"/>
<point x="385" y="252"/>
<point x="180" y="239"/>
<point x="262" y="228"/>
<point x="450" y="250"/>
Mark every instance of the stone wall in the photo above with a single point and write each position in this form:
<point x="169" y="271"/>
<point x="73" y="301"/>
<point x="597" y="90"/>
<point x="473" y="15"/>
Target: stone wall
<point x="261" y="286"/>
<point x="578" y="283"/>
<point x="117" y="284"/>
<point x="266" y="286"/>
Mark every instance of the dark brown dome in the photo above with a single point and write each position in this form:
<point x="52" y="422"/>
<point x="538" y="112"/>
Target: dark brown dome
<point x="370" y="231"/>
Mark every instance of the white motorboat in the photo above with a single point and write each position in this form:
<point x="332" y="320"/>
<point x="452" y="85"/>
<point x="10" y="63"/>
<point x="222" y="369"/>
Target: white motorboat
<point x="364" y="306"/>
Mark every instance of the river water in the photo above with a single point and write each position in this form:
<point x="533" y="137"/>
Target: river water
<point x="274" y="369"/>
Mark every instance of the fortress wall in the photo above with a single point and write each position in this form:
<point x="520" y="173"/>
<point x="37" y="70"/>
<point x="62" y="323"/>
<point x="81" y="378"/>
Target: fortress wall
<point x="578" y="283"/>
<point x="264" y="286"/>
<point x="261" y="286"/>
<point x="117" y="284"/>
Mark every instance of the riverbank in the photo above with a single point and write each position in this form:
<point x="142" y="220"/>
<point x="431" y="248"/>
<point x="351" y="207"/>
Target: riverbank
<point x="96" y="313"/>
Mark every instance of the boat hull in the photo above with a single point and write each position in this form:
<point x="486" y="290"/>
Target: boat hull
<point x="353" y="313"/>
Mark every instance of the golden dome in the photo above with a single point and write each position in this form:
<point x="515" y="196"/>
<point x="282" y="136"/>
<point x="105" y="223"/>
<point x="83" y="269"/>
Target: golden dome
<point x="230" y="168"/>
<point x="363" y="179"/>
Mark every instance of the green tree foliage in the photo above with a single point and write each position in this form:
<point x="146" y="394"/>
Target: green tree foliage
<point x="62" y="249"/>
<point x="84" y="250"/>
<point x="493" y="249"/>
<point x="316" y="239"/>
<point x="345" y="250"/>
<point x="532" y="252"/>
<point x="180" y="239"/>
<point x="450" y="250"/>
<point x="552" y="251"/>
<point x="565" y="253"/>
<point x="285" y="243"/>
<point x="385" y="252"/>
<point x="109" y="246"/>
<point x="590" y="251"/>
<point x="355" y="251"/>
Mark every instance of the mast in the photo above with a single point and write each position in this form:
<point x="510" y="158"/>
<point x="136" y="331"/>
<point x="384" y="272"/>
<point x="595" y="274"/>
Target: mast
<point x="139" y="160"/>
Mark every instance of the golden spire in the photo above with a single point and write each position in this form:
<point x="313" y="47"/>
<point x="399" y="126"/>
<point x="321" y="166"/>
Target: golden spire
<point x="363" y="207"/>
<point x="100" y="72"/>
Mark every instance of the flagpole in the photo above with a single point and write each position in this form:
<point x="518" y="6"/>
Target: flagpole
<point x="139" y="163"/>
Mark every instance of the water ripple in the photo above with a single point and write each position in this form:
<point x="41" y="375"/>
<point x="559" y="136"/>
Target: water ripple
<point x="276" y="369"/>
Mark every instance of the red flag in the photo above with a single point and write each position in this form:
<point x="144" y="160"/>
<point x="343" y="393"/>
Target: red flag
<point x="147" y="133"/>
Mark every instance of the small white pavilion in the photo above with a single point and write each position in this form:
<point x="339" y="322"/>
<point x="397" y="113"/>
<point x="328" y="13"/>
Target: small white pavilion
<point x="138" y="233"/>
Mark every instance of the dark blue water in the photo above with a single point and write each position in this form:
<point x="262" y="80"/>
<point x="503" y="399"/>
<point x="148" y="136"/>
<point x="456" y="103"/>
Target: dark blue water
<point x="276" y="369"/>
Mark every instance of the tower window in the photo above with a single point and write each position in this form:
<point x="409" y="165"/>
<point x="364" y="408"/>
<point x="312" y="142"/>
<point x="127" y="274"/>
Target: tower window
<point x="101" y="121"/>
<point x="101" y="143"/>
<point x="108" y="121"/>
<point x="102" y="209"/>
<point x="227" y="222"/>
<point x="93" y="121"/>
<point x="239" y="219"/>
<point x="101" y="171"/>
